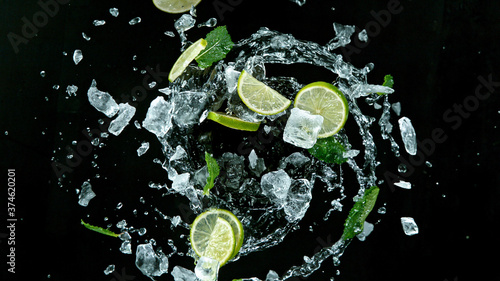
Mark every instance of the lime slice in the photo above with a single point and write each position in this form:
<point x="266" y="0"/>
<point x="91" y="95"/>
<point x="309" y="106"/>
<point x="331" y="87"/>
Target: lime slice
<point x="324" y="99"/>
<point x="233" y="122"/>
<point x="259" y="97"/>
<point x="217" y="234"/>
<point x="185" y="58"/>
<point x="175" y="6"/>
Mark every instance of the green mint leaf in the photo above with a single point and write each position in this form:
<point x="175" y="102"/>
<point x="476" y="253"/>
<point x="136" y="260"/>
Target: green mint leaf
<point x="213" y="172"/>
<point x="218" y="45"/>
<point x="329" y="150"/>
<point x="355" y="221"/>
<point x="388" y="82"/>
<point x="100" y="229"/>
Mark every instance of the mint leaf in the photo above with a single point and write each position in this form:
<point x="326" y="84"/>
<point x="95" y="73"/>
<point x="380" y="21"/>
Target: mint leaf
<point x="329" y="150"/>
<point x="213" y="172"/>
<point x="355" y="221"/>
<point x="99" y="229"/>
<point x="388" y="82"/>
<point x="218" y="45"/>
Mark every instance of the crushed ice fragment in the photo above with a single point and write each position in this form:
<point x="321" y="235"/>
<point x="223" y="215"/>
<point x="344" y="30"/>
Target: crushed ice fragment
<point x="231" y="78"/>
<point x="257" y="165"/>
<point x="409" y="226"/>
<point x="169" y="33"/>
<point x="102" y="101"/>
<point x="86" y="194"/>
<point x="125" y="114"/>
<point x="188" y="107"/>
<point x="134" y="21"/>
<point x="159" y="117"/>
<point x="176" y="221"/>
<point x="183" y="274"/>
<point x="77" y="56"/>
<point x="297" y="200"/>
<point x="403" y="184"/>
<point x="408" y="135"/>
<point x="367" y="229"/>
<point x="184" y="23"/>
<point x="207" y="269"/>
<point x="143" y="148"/>
<point x="99" y="22"/>
<point x="363" y="36"/>
<point x="126" y="247"/>
<point x="396" y="107"/>
<point x="109" y="269"/>
<point x="149" y="262"/>
<point x="275" y="186"/>
<point x="350" y="153"/>
<point x="114" y="12"/>
<point x="85" y="36"/>
<point x="302" y="128"/>
<point x="71" y="90"/>
<point x="272" y="276"/>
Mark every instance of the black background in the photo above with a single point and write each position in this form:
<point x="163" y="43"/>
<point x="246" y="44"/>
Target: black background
<point x="436" y="50"/>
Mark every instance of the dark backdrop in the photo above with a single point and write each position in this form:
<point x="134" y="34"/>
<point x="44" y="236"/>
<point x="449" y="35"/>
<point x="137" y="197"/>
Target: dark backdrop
<point x="439" y="52"/>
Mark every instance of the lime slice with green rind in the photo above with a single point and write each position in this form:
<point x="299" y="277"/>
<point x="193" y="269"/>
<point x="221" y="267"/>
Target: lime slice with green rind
<point x="186" y="58"/>
<point x="233" y="122"/>
<point x="175" y="6"/>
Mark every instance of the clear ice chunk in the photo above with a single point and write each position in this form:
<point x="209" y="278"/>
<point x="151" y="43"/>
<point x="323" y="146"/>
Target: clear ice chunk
<point x="109" y="269"/>
<point x="71" y="90"/>
<point x="297" y="200"/>
<point x="134" y="21"/>
<point x="363" y="36"/>
<point x="183" y="274"/>
<point x="149" y="262"/>
<point x="99" y="22"/>
<point x="114" y="12"/>
<point x="234" y="168"/>
<point x="181" y="183"/>
<point x="207" y="269"/>
<point x="102" y="101"/>
<point x="408" y="135"/>
<point x="184" y="23"/>
<point x="126" y="247"/>
<point x="143" y="148"/>
<point x="396" y="107"/>
<point x="275" y="186"/>
<point x="159" y="117"/>
<point x="409" y="226"/>
<point x="77" y="56"/>
<point x="302" y="128"/>
<point x="367" y="229"/>
<point x="125" y="114"/>
<point x="86" y="194"/>
<point x="188" y="107"/>
<point x="272" y="276"/>
<point x="403" y="184"/>
<point x="257" y="165"/>
<point x="231" y="78"/>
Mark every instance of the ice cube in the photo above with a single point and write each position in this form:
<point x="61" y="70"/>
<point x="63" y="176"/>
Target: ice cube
<point x="149" y="262"/>
<point x="367" y="229"/>
<point x="184" y="23"/>
<point x="272" y="276"/>
<point x="86" y="194"/>
<point x="126" y="247"/>
<point x="275" y="186"/>
<point x="181" y="182"/>
<point x="257" y="165"/>
<point x="134" y="21"/>
<point x="102" y="101"/>
<point x="397" y="108"/>
<point x="159" y="117"/>
<point x="297" y="200"/>
<point x="125" y="114"/>
<point x="77" y="56"/>
<point x="178" y="162"/>
<point x="183" y="274"/>
<point x="114" y="12"/>
<point x="409" y="226"/>
<point x="233" y="169"/>
<point x="302" y="128"/>
<point x="109" y="269"/>
<point x="143" y="148"/>
<point x="231" y="78"/>
<point x="207" y="269"/>
<point x="408" y="135"/>
<point x="188" y="107"/>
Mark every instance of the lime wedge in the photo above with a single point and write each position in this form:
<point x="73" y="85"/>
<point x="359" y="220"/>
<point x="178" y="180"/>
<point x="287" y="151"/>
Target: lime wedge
<point x="324" y="99"/>
<point x="217" y="234"/>
<point x="259" y="97"/>
<point x="185" y="58"/>
<point x="233" y="122"/>
<point x="175" y="6"/>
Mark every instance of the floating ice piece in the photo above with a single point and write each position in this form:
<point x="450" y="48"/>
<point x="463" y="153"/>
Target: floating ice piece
<point x="126" y="247"/>
<point x="409" y="226"/>
<point x="397" y="108"/>
<point x="367" y="229"/>
<point x="159" y="117"/>
<point x="231" y="78"/>
<point x="302" y="128"/>
<point x="149" y="262"/>
<point x="275" y="185"/>
<point x="125" y="114"/>
<point x="181" y="182"/>
<point x="234" y="168"/>
<point x="102" y="101"/>
<point x="257" y="165"/>
<point x="169" y="33"/>
<point x="363" y="36"/>
<point x="85" y="36"/>
<point x="99" y="22"/>
<point x="272" y="275"/>
<point x="184" y="23"/>
<point x="109" y="269"/>
<point x="297" y="200"/>
<point x="207" y="269"/>
<point x="183" y="274"/>
<point x="299" y="2"/>
<point x="77" y="56"/>
<point x="114" y="12"/>
<point x="188" y="107"/>
<point x="143" y="148"/>
<point x="71" y="90"/>
<point x="86" y="194"/>
<point x="408" y="135"/>
<point x="134" y="21"/>
<point x="403" y="184"/>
